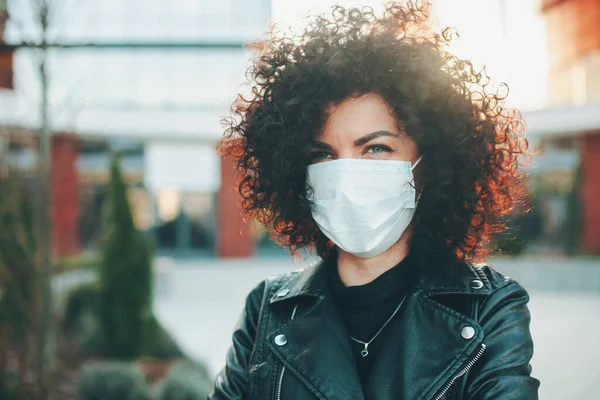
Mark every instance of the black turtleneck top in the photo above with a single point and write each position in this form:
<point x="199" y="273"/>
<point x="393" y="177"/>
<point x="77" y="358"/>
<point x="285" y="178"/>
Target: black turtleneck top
<point x="366" y="308"/>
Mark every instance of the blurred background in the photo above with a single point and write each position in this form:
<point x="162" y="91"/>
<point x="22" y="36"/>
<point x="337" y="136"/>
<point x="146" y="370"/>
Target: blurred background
<point x="123" y="256"/>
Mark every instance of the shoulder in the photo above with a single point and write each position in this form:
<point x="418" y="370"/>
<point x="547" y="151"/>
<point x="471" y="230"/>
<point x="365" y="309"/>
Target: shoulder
<point x="500" y="284"/>
<point x="472" y="289"/>
<point x="464" y="278"/>
<point x="506" y="300"/>
<point x="283" y="279"/>
<point x="270" y="286"/>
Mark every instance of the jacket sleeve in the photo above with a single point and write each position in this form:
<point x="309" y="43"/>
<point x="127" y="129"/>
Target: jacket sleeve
<point x="232" y="381"/>
<point x="504" y="370"/>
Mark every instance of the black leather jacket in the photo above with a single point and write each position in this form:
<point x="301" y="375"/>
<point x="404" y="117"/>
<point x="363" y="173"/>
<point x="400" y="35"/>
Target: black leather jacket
<point x="461" y="335"/>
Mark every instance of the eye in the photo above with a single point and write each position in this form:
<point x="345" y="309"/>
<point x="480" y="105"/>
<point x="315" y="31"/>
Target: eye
<point x="319" y="156"/>
<point x="378" y="148"/>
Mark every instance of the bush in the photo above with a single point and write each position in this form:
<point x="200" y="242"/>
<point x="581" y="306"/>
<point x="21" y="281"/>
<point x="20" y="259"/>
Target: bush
<point x="112" y="381"/>
<point x="19" y="282"/>
<point x="186" y="381"/>
<point x="159" y="343"/>
<point x="125" y="277"/>
<point x="81" y="301"/>
<point x="81" y="318"/>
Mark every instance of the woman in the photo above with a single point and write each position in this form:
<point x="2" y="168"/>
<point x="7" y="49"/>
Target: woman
<point x="365" y="140"/>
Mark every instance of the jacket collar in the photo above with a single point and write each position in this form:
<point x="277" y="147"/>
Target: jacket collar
<point x="317" y="339"/>
<point x="310" y="281"/>
<point x="465" y="279"/>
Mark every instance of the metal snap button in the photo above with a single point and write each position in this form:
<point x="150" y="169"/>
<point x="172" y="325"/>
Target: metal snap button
<point x="283" y="292"/>
<point x="476" y="284"/>
<point x="280" y="340"/>
<point x="468" y="332"/>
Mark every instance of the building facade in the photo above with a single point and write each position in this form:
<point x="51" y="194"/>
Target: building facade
<point x="571" y="119"/>
<point x="154" y="86"/>
<point x="161" y="76"/>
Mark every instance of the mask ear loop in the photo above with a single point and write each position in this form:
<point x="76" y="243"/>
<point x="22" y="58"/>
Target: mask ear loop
<point x="411" y="169"/>
<point x="416" y="163"/>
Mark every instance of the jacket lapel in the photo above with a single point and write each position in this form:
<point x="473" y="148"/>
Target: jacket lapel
<point x="318" y="348"/>
<point x="423" y="351"/>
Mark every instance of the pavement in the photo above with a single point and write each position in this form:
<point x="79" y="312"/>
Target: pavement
<point x="199" y="301"/>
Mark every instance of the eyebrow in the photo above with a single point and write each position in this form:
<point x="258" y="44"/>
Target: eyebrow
<point x="358" y="142"/>
<point x="372" y="136"/>
<point x="321" y="145"/>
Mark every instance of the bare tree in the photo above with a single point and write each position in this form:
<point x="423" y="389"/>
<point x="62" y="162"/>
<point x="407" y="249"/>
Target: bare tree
<point x="35" y="22"/>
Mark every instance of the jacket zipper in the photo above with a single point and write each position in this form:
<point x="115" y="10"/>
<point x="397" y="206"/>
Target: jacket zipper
<point x="280" y="380"/>
<point x="280" y="383"/>
<point x="461" y="373"/>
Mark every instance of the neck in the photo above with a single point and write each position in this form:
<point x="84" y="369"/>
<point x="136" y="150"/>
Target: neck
<point x="355" y="271"/>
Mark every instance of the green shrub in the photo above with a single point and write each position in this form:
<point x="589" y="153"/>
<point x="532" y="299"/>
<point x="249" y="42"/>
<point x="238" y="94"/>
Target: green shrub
<point x="125" y="277"/>
<point x="81" y="318"/>
<point x="19" y="282"/>
<point x="159" y="344"/>
<point x="186" y="381"/>
<point x="81" y="300"/>
<point x="112" y="381"/>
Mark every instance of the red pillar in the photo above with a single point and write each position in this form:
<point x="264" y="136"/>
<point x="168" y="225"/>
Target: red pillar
<point x="590" y="192"/>
<point x="233" y="234"/>
<point x="65" y="195"/>
<point x="6" y="70"/>
<point x="6" y="58"/>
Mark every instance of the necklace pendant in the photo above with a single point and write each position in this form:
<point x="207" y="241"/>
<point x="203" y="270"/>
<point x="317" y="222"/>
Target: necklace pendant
<point x="365" y="352"/>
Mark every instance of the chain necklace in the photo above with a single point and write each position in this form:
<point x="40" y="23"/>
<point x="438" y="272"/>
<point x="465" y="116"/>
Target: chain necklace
<point x="365" y="352"/>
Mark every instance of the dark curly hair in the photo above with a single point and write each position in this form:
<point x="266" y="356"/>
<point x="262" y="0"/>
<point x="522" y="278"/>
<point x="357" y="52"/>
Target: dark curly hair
<point x="473" y="146"/>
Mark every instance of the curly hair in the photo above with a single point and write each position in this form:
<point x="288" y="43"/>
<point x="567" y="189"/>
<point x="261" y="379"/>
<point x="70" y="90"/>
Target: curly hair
<point x="470" y="177"/>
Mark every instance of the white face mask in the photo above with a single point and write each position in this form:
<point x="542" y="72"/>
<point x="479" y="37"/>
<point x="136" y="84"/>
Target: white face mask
<point x="363" y="206"/>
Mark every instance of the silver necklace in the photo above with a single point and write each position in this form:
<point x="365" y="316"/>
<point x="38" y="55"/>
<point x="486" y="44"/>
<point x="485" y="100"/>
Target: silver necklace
<point x="365" y="352"/>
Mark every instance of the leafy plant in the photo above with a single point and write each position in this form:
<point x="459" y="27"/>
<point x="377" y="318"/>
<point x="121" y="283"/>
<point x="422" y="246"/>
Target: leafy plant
<point x="112" y="381"/>
<point x="125" y="276"/>
<point x="159" y="344"/>
<point x="81" y="300"/>
<point x="18" y="279"/>
<point x="81" y="317"/>
<point x="186" y="381"/>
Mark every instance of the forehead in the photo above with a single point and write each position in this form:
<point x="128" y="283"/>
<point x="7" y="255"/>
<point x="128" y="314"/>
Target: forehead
<point x="356" y="116"/>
